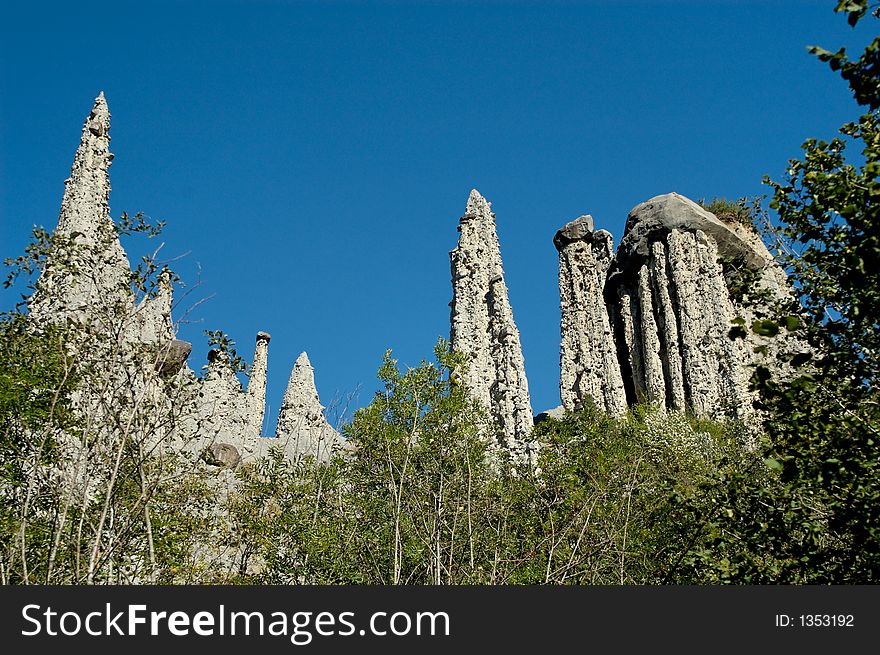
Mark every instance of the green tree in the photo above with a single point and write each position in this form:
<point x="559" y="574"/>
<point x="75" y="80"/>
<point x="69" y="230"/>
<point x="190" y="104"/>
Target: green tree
<point x="817" y="518"/>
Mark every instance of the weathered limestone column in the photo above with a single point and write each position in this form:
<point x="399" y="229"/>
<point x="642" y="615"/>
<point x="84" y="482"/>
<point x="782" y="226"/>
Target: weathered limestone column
<point x="87" y="279"/>
<point x="677" y="338"/>
<point x="256" y="390"/>
<point x="510" y="391"/>
<point x="668" y="326"/>
<point x="302" y="428"/>
<point x="730" y="359"/>
<point x="655" y="385"/>
<point x="700" y="369"/>
<point x="482" y="324"/>
<point x="632" y="344"/>
<point x="588" y="363"/>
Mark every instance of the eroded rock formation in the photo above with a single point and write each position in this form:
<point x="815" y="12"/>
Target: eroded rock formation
<point x="87" y="277"/>
<point x="86" y="281"/>
<point x="302" y="428"/>
<point x="666" y="295"/>
<point x="648" y="323"/>
<point x="256" y="390"/>
<point x="588" y="352"/>
<point x="482" y="324"/>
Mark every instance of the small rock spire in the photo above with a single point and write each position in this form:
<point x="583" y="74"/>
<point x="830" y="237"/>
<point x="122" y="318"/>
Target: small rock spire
<point x="482" y="324"/>
<point x="86" y="277"/>
<point x="302" y="427"/>
<point x="256" y="390"/>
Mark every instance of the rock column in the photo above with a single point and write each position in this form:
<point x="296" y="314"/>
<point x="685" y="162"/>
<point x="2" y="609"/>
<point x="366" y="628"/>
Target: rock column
<point x="482" y="325"/>
<point x="302" y="427"/>
<point x="589" y="368"/>
<point x="677" y="331"/>
<point x="256" y="390"/>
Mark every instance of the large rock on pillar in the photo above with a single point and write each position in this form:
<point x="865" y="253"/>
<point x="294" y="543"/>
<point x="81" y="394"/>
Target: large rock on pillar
<point x="589" y="367"/>
<point x="482" y="325"/>
<point x="676" y="310"/>
<point x="86" y="277"/>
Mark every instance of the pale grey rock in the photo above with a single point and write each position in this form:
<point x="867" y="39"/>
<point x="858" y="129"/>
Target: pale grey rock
<point x="302" y="428"/>
<point x="658" y="216"/>
<point x="87" y="281"/>
<point x="222" y="407"/>
<point x="256" y="391"/>
<point x="556" y="413"/>
<point x="674" y="311"/>
<point x="482" y="325"/>
<point x="696" y="356"/>
<point x="733" y="370"/>
<point x="668" y="327"/>
<point x="655" y="387"/>
<point x="632" y="345"/>
<point x="153" y="314"/>
<point x="589" y="368"/>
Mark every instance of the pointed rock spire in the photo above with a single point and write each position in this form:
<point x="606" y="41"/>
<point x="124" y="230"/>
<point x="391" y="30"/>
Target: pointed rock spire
<point x="482" y="324"/>
<point x="220" y="405"/>
<point x="87" y="273"/>
<point x="153" y="314"/>
<point x="256" y="390"/>
<point x="302" y="427"/>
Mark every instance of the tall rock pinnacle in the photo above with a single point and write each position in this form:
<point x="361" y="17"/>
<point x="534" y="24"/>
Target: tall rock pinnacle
<point x="589" y="368"/>
<point x="87" y="273"/>
<point x="256" y="390"/>
<point x="302" y="427"/>
<point x="482" y="324"/>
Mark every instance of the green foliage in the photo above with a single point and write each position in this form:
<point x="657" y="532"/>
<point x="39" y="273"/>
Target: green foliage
<point x="127" y="225"/>
<point x="36" y="378"/>
<point x="814" y="517"/>
<point x="425" y="498"/>
<point x="861" y="74"/>
<point x="609" y="499"/>
<point x="226" y="345"/>
<point x="740" y="211"/>
<point x="425" y="495"/>
<point x="33" y="259"/>
<point x="67" y="253"/>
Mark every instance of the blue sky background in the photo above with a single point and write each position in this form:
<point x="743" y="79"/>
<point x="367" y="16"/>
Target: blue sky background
<point x="313" y="159"/>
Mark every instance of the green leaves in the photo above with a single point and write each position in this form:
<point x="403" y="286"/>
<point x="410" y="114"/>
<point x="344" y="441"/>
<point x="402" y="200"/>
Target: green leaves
<point x="765" y="327"/>
<point x="809" y="512"/>
<point x="855" y="8"/>
<point x="226" y="346"/>
<point x="773" y="464"/>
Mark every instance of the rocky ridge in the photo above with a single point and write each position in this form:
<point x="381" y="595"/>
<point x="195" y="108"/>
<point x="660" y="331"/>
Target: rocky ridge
<point x="86" y="283"/>
<point x="647" y="323"/>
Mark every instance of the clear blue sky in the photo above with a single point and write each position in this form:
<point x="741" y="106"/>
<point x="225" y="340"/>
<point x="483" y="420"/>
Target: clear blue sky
<point x="314" y="159"/>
